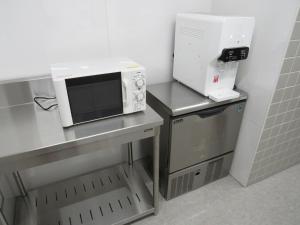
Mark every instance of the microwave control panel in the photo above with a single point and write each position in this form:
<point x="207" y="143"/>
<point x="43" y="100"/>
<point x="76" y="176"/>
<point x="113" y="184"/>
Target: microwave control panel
<point x="139" y="93"/>
<point x="134" y="90"/>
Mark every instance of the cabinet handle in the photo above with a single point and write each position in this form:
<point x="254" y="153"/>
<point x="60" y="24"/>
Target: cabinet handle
<point x="211" y="112"/>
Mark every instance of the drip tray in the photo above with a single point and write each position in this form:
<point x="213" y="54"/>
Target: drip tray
<point x="116" y="195"/>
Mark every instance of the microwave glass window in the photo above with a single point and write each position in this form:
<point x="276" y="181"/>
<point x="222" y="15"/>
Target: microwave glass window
<point x="95" y="97"/>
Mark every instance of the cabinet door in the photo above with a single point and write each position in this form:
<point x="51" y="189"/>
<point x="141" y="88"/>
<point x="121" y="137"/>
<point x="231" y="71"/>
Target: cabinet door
<point x="203" y="135"/>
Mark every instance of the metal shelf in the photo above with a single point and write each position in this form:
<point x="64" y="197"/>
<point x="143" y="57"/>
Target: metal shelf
<point x="48" y="142"/>
<point x="116" y="195"/>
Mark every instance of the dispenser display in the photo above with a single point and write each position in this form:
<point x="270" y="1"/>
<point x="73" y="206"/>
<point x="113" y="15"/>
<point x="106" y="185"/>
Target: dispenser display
<point x="207" y="52"/>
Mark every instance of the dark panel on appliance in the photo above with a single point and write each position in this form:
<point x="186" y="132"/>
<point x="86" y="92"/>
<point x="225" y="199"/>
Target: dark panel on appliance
<point x="234" y="54"/>
<point x="95" y="97"/>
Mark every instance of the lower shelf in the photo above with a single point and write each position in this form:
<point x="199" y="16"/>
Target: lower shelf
<point x="116" y="195"/>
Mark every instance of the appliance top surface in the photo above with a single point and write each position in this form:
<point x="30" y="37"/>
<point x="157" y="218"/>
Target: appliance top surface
<point x="179" y="99"/>
<point x="92" y="67"/>
<point x="26" y="130"/>
<point x="211" y="16"/>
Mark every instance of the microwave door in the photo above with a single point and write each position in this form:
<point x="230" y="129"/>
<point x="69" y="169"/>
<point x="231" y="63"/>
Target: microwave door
<point x="95" y="97"/>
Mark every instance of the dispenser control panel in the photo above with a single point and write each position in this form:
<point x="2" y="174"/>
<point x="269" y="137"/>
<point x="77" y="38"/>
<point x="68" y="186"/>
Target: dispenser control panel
<point x="234" y="54"/>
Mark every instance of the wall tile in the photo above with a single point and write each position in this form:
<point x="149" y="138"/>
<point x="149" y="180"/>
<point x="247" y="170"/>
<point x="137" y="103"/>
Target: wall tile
<point x="279" y="146"/>
<point x="270" y="122"/>
<point x="266" y="134"/>
<point x="287" y="65"/>
<point x="298" y="16"/>
<point x="288" y="94"/>
<point x="298" y="51"/>
<point x="292" y="79"/>
<point x="275" y="131"/>
<point x="282" y="82"/>
<point x="298" y="79"/>
<point x="296" y="92"/>
<point x="292" y="49"/>
<point x="293" y="104"/>
<point x="296" y="32"/>
<point x="283" y="128"/>
<point x="296" y="64"/>
<point x="288" y="116"/>
<point x="297" y="114"/>
<point x="298" y="102"/>
<point x="279" y="119"/>
<point x="283" y="107"/>
<point x="273" y="109"/>
<point x="278" y="96"/>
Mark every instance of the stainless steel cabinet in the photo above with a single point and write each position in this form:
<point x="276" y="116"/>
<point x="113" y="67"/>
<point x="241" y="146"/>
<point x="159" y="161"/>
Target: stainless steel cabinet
<point x="203" y="135"/>
<point x="198" y="136"/>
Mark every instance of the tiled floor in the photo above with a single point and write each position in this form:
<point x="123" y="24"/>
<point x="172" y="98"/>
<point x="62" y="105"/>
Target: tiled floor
<point x="274" y="201"/>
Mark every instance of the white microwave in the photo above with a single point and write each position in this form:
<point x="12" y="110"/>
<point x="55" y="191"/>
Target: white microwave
<point x="98" y="89"/>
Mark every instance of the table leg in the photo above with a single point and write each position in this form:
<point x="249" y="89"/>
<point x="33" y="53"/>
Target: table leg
<point x="130" y="154"/>
<point x="156" y="170"/>
<point x="20" y="183"/>
<point x="2" y="218"/>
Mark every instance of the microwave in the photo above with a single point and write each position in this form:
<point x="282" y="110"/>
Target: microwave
<point x="98" y="89"/>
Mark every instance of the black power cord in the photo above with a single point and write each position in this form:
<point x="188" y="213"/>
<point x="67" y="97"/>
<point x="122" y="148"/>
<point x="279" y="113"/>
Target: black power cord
<point x="44" y="98"/>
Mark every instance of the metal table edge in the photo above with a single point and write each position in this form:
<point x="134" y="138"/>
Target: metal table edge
<point x="93" y="138"/>
<point x="182" y="111"/>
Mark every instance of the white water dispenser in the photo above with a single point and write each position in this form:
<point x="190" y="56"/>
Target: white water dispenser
<point x="207" y="51"/>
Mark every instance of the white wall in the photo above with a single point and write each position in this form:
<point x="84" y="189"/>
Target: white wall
<point x="259" y="74"/>
<point x="36" y="33"/>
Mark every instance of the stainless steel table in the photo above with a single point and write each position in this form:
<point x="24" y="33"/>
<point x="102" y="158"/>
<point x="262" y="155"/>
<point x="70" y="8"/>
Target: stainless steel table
<point x="30" y="137"/>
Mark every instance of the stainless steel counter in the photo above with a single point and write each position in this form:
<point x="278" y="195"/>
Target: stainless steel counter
<point x="27" y="131"/>
<point x="180" y="99"/>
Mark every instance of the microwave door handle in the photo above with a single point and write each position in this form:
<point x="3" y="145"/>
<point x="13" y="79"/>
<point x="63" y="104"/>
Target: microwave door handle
<point x="211" y="112"/>
<point x="124" y="89"/>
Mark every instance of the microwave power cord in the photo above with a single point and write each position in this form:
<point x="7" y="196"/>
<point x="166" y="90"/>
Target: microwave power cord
<point x="36" y="100"/>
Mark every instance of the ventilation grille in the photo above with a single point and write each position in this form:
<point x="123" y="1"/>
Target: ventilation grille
<point x="191" y="180"/>
<point x="214" y="170"/>
<point x="182" y="184"/>
<point x="192" y="32"/>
